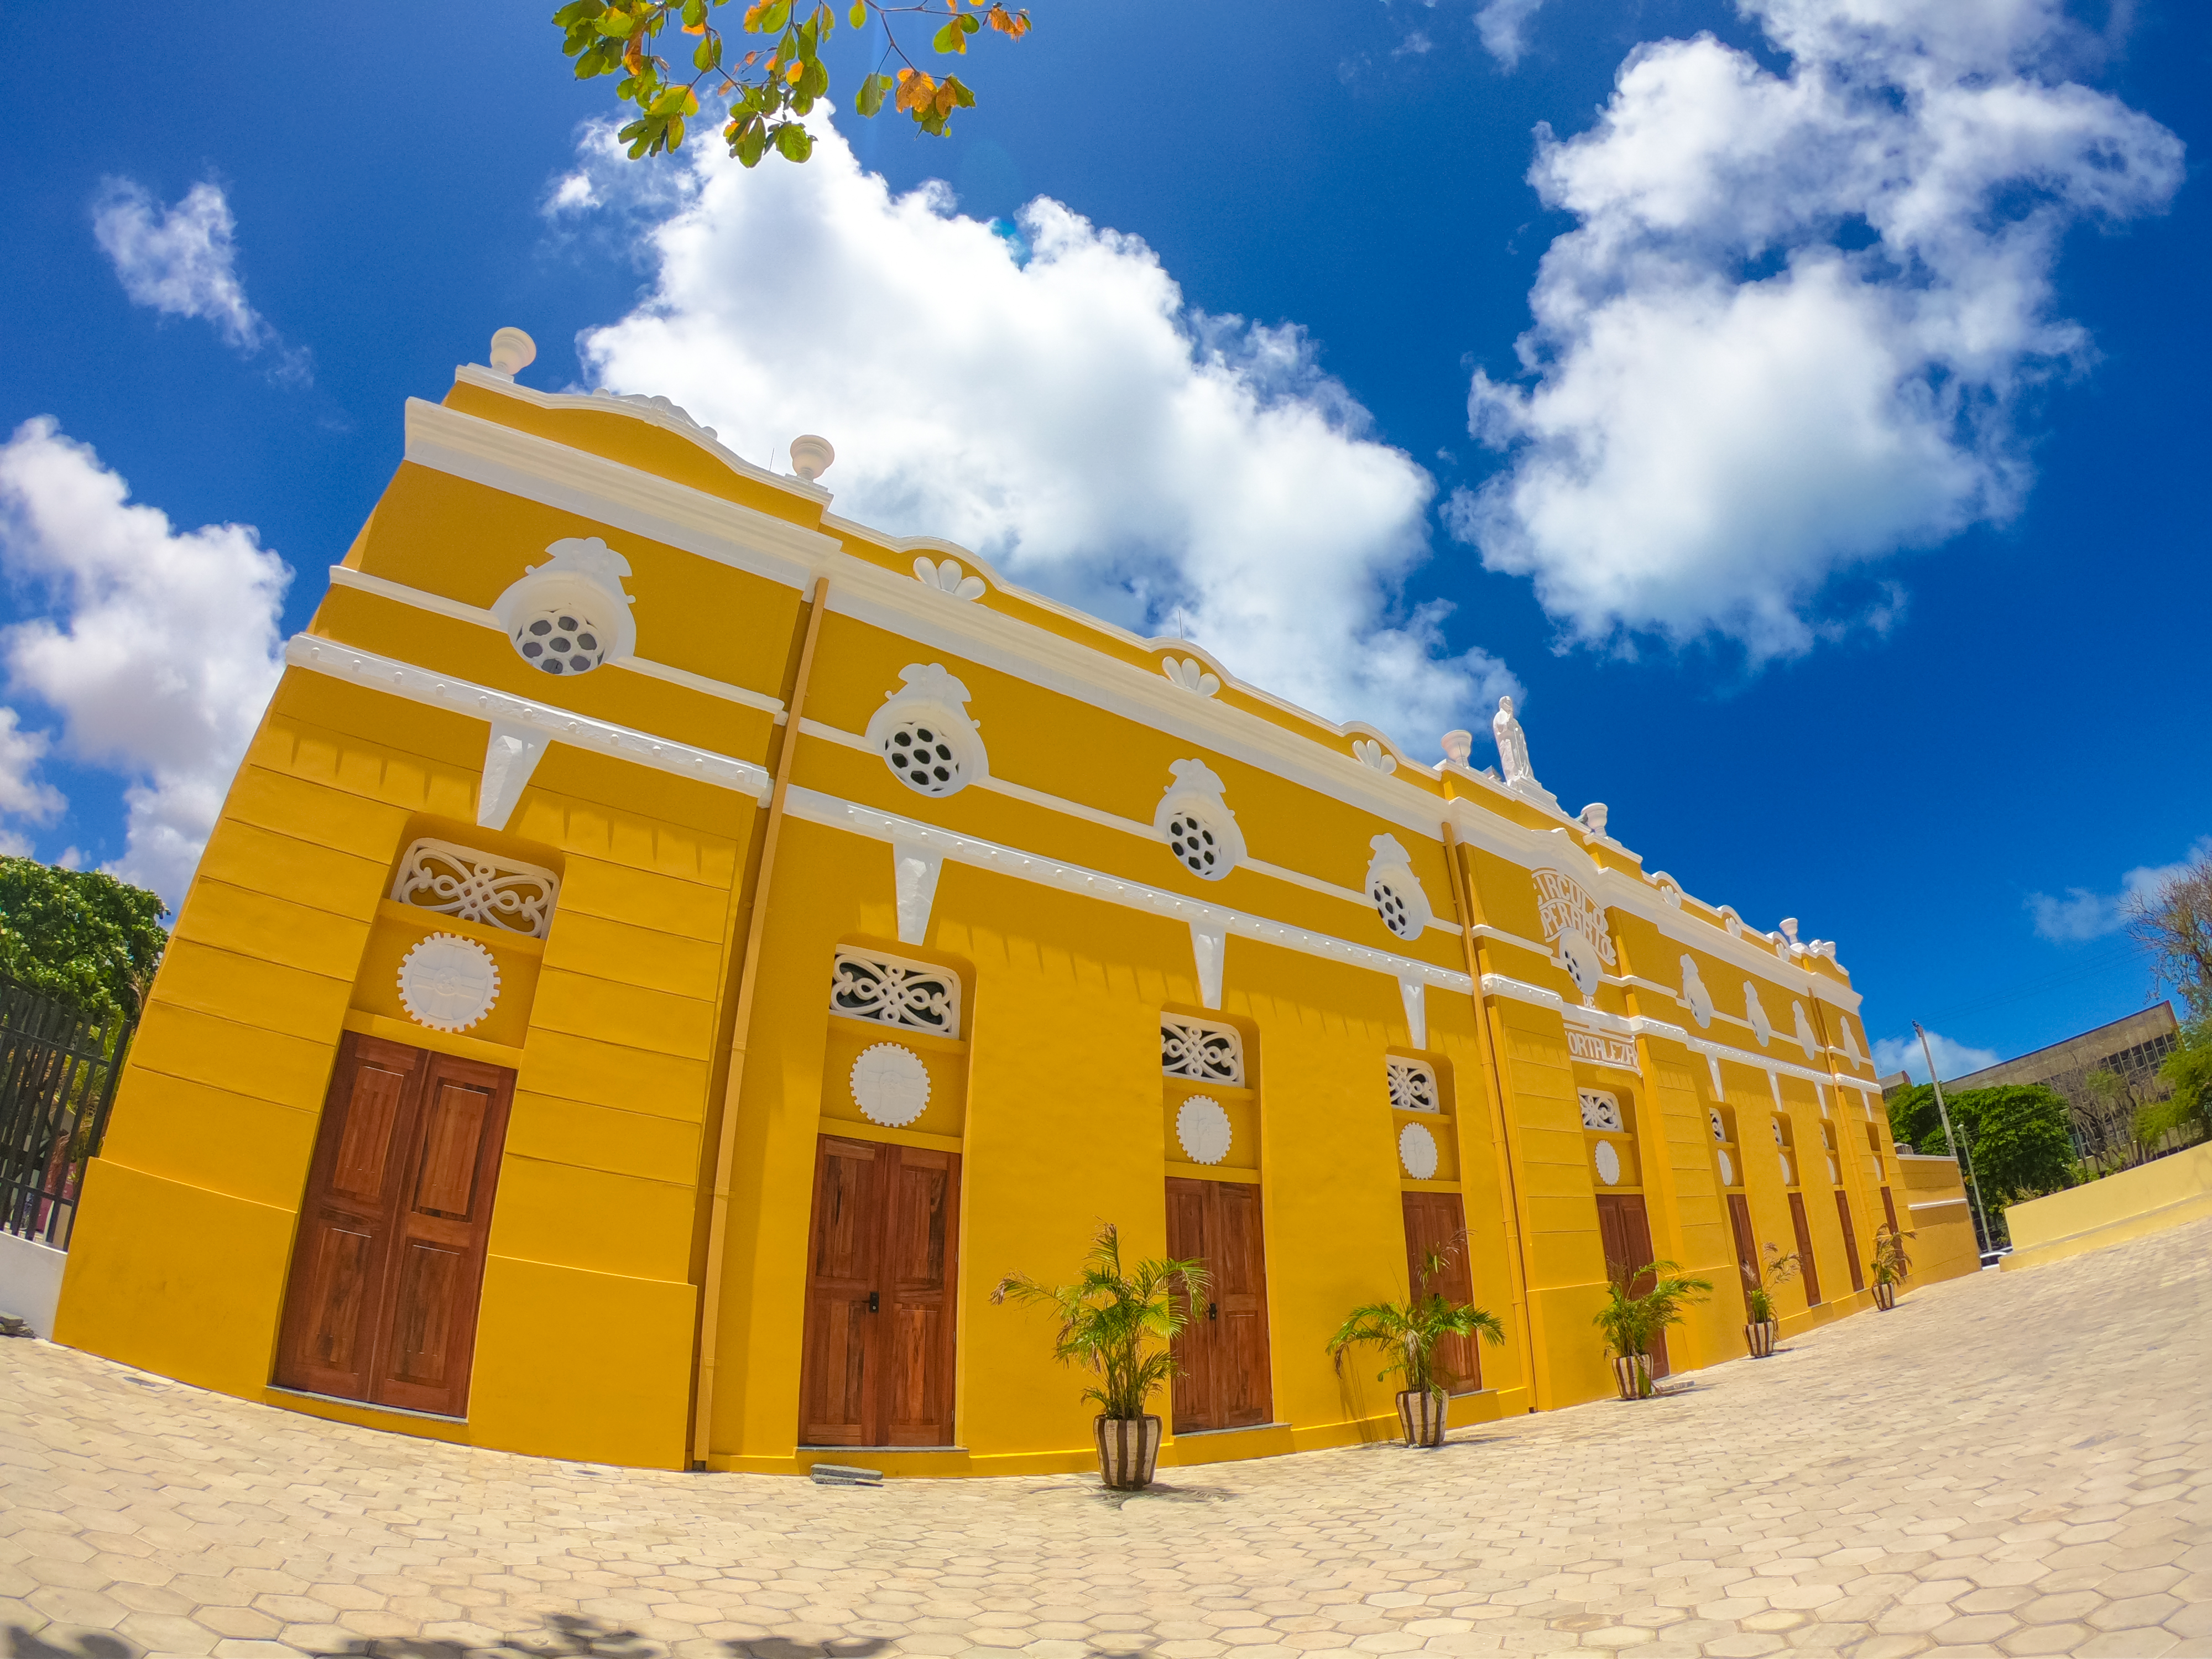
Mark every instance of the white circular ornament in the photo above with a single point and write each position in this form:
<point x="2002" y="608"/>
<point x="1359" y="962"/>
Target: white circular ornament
<point x="891" y="1085"/>
<point x="1608" y="1163"/>
<point x="1789" y="1179"/>
<point x="1417" y="1150"/>
<point x="1203" y="1128"/>
<point x="447" y="982"/>
<point x="1727" y="1171"/>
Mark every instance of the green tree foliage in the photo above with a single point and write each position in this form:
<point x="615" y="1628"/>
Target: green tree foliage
<point x="79" y="936"/>
<point x="771" y="87"/>
<point x="2172" y="925"/>
<point x="2187" y="1073"/>
<point x="2015" y="1133"/>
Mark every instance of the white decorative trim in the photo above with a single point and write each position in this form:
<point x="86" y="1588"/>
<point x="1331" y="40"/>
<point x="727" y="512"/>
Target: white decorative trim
<point x="1411" y="1084"/>
<point x="1196" y="823"/>
<point x="1203" y="1129"/>
<point x="512" y="751"/>
<point x="947" y="576"/>
<point x="1191" y="674"/>
<point x="1370" y="754"/>
<point x="1201" y="1048"/>
<point x="583" y="578"/>
<point x="1755" y="1012"/>
<point x="890" y="1085"/>
<point x="888" y="990"/>
<point x="1695" y="997"/>
<point x="1414" y="991"/>
<point x="1607" y="1158"/>
<point x="448" y="983"/>
<point x="1602" y="1111"/>
<point x="481" y="702"/>
<point x="1806" y="1040"/>
<point x="915" y="870"/>
<point x="445" y="879"/>
<point x="1417" y="1151"/>
<point x="1395" y="891"/>
<point x="814" y="807"/>
<point x="924" y="734"/>
<point x="1209" y="950"/>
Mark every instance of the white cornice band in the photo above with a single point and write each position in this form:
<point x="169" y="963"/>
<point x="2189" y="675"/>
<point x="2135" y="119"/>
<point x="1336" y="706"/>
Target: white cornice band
<point x="481" y="702"/>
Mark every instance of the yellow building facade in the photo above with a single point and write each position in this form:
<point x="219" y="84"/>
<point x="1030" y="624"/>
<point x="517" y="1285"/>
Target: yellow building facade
<point x="670" y="951"/>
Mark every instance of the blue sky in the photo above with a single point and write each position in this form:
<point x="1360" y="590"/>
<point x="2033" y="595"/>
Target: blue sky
<point x="1796" y="404"/>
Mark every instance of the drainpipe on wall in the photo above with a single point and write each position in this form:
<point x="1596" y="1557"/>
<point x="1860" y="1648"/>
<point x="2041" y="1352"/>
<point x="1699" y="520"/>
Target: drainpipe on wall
<point x="717" y="1216"/>
<point x="1463" y="899"/>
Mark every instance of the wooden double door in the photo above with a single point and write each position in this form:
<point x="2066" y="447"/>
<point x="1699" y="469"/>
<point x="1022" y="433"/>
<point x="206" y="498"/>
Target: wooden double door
<point x="876" y="1366"/>
<point x="1222" y="1381"/>
<point x="1436" y="1224"/>
<point x="388" y="1264"/>
<point x="1625" y="1228"/>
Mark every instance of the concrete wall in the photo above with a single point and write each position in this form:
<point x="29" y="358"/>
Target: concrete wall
<point x="2145" y="1200"/>
<point x="30" y="1282"/>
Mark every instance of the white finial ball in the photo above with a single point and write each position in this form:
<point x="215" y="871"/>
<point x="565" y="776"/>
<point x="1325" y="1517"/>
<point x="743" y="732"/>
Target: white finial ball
<point x="1458" y="745"/>
<point x="513" y="351"/>
<point x="811" y="456"/>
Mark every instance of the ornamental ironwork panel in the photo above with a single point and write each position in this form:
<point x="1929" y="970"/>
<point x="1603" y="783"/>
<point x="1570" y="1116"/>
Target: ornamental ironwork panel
<point x="1202" y="1049"/>
<point x="915" y="996"/>
<point x="460" y="881"/>
<point x="1413" y="1085"/>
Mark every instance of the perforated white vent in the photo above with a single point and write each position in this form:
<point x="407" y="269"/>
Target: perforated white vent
<point x="918" y="996"/>
<point x="924" y="734"/>
<point x="1395" y="891"/>
<point x="1601" y="1110"/>
<point x="460" y="881"/>
<point x="570" y="613"/>
<point x="1197" y="824"/>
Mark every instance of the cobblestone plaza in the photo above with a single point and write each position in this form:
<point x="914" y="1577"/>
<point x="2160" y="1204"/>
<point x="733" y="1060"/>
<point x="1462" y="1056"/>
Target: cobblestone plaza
<point x="2011" y="1463"/>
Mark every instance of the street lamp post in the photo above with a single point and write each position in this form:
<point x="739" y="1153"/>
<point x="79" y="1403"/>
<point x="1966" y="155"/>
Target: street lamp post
<point x="1989" y="1239"/>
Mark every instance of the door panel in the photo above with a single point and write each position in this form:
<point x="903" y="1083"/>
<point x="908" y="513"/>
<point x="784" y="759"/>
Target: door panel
<point x="1626" y="1230"/>
<point x="1807" y="1266"/>
<point x="1437" y="1221"/>
<point x="1850" y="1243"/>
<point x="1747" y="1244"/>
<point x="389" y="1261"/>
<point x="1889" y="1209"/>
<point x="877" y="1360"/>
<point x="1225" y="1382"/>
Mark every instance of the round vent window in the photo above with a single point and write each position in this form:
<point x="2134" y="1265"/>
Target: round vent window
<point x="920" y="752"/>
<point x="1191" y="839"/>
<point x="1390" y="905"/>
<point x="561" y="641"/>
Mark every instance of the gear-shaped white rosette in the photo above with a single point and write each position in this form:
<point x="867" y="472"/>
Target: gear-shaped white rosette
<point x="447" y="982"/>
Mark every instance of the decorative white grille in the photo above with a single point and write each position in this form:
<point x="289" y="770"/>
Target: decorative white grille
<point x="916" y="996"/>
<point x="1200" y="1048"/>
<point x="460" y="881"/>
<point x="1602" y="1111"/>
<point x="1413" y="1085"/>
<point x="1720" y="1129"/>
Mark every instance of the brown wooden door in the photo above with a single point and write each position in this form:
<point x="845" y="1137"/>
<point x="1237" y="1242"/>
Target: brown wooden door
<point x="1889" y="1209"/>
<point x="1222" y="1350"/>
<point x="875" y="1364"/>
<point x="1850" y="1243"/>
<point x="1746" y="1244"/>
<point x="1624" y="1229"/>
<point x="1806" y="1265"/>
<point x="1435" y="1222"/>
<point x="388" y="1264"/>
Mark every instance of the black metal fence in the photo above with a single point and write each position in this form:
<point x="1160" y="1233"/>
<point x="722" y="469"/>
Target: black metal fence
<point x="57" y="1071"/>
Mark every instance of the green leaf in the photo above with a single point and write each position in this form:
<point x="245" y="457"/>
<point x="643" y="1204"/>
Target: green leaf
<point x="694" y="13"/>
<point x="969" y="22"/>
<point x="816" y="81"/>
<point x="870" y="98"/>
<point x="793" y="143"/>
<point x="577" y="12"/>
<point x="951" y="38"/>
<point x="616" y="25"/>
<point x="675" y="100"/>
<point x="774" y="17"/>
<point x="857" y="17"/>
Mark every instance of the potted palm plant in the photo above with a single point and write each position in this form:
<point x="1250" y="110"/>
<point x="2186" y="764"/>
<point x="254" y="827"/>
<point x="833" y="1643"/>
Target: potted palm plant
<point x="1120" y="1326"/>
<point x="1760" y="1285"/>
<point x="1407" y="1333"/>
<point x="1891" y="1267"/>
<point x="1629" y="1321"/>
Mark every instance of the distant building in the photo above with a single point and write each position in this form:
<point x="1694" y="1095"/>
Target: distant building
<point x="2132" y="1047"/>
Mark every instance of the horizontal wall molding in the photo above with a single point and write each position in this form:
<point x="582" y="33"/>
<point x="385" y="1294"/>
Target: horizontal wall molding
<point x="403" y="679"/>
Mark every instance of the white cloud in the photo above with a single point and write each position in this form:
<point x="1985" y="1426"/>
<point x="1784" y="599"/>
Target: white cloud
<point x="1503" y="26"/>
<point x="1903" y="1054"/>
<point x="1789" y="333"/>
<point x="159" y="650"/>
<point x="182" y="261"/>
<point x="1049" y="399"/>
<point x="2085" y="914"/>
<point x="22" y="794"/>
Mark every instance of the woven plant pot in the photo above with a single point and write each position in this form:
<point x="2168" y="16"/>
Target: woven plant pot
<point x="1633" y="1372"/>
<point x="1422" y="1416"/>
<point x="1884" y="1295"/>
<point x="1128" y="1450"/>
<point x="1759" y="1339"/>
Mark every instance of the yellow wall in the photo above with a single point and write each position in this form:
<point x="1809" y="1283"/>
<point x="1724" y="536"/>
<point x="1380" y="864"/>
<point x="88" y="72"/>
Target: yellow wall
<point x="1942" y="1227"/>
<point x="2145" y="1200"/>
<point x="621" y="1025"/>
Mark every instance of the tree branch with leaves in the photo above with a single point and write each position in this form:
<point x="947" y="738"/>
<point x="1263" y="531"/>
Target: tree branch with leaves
<point x="771" y="88"/>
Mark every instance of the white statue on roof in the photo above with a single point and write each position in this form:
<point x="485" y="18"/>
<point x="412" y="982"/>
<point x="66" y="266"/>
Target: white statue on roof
<point x="1512" y="744"/>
